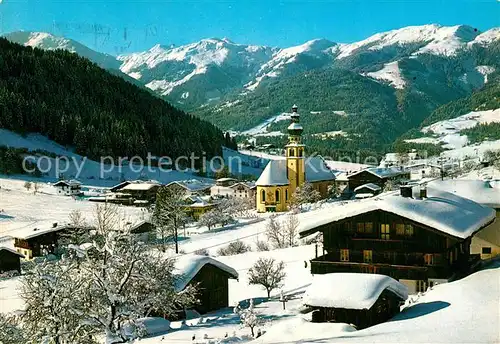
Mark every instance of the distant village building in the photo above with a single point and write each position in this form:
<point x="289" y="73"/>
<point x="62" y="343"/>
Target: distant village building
<point x="485" y="243"/>
<point x="144" y="231"/>
<point x="198" y="206"/>
<point x="360" y="299"/>
<point x="424" y="170"/>
<point x="143" y="193"/>
<point x="10" y="260"/>
<point x="211" y="277"/>
<point x="418" y="237"/>
<point x="280" y="178"/>
<point x="38" y="241"/>
<point x="367" y="190"/>
<point x="379" y="176"/>
<point x="230" y="187"/>
<point x="190" y="187"/>
<point x="69" y="187"/>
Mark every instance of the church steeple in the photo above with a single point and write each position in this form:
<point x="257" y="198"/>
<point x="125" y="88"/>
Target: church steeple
<point x="295" y="151"/>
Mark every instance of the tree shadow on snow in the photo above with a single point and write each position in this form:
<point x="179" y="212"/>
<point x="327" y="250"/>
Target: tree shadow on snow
<point x="420" y="309"/>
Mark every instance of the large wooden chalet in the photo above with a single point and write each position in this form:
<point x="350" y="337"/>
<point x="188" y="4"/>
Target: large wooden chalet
<point x="417" y="237"/>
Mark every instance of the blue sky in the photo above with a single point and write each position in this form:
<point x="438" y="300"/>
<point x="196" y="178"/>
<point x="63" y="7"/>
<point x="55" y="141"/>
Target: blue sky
<point x="127" y="26"/>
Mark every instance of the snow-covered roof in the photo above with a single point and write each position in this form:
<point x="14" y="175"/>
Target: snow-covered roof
<point x="32" y="231"/>
<point x="192" y="184"/>
<point x="479" y="191"/>
<point x="71" y="182"/>
<point x="446" y="212"/>
<point x="226" y="180"/>
<point x="383" y="172"/>
<point x="295" y="126"/>
<point x="351" y="290"/>
<point x="245" y="184"/>
<point x="4" y="248"/>
<point x="275" y="172"/>
<point x="139" y="186"/>
<point x="189" y="265"/>
<point x="371" y="186"/>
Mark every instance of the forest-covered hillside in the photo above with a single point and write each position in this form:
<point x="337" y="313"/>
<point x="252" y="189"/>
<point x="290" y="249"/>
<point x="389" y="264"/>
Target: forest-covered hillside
<point x="76" y="103"/>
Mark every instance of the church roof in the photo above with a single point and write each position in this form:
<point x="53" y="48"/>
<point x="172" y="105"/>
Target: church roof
<point x="275" y="172"/>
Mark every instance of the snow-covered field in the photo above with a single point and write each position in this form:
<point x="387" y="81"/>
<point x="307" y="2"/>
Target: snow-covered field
<point x="448" y="132"/>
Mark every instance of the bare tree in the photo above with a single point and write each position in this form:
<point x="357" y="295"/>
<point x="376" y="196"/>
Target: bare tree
<point x="168" y="215"/>
<point x="305" y="194"/>
<point x="10" y="331"/>
<point x="27" y="186"/>
<point x="79" y="230"/>
<point x="36" y="187"/>
<point x="115" y="282"/>
<point x="291" y="228"/>
<point x="275" y="233"/>
<point x="267" y="273"/>
<point x="209" y="219"/>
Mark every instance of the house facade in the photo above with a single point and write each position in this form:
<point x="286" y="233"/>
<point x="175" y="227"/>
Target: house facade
<point x="416" y="240"/>
<point x="281" y="178"/>
<point x="68" y="187"/>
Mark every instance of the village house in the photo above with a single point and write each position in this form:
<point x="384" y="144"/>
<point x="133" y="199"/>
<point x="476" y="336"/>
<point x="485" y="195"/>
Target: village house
<point x="211" y="278"/>
<point x="485" y="243"/>
<point x="367" y="190"/>
<point x="423" y="170"/>
<point x="198" y="205"/>
<point x="379" y="176"/>
<point x="418" y="237"/>
<point x="282" y="177"/>
<point x="69" y="187"/>
<point x="38" y="241"/>
<point x="230" y="187"/>
<point x="10" y="260"/>
<point x="190" y="187"/>
<point x="354" y="298"/>
<point x="144" y="231"/>
<point x="142" y="193"/>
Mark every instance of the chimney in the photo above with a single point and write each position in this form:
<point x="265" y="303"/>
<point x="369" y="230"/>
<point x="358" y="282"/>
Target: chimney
<point x="406" y="191"/>
<point x="423" y="191"/>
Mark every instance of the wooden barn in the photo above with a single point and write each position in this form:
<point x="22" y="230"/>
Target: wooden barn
<point x="378" y="176"/>
<point x="10" y="260"/>
<point x="416" y="237"/>
<point x="212" y="278"/>
<point x="354" y="298"/>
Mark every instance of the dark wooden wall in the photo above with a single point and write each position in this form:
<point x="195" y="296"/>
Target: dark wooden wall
<point x="9" y="261"/>
<point x="213" y="289"/>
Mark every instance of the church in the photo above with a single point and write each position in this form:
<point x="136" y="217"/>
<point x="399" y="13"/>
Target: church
<point x="281" y="177"/>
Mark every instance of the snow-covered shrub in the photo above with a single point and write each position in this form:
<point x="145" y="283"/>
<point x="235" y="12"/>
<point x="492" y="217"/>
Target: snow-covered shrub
<point x="202" y="252"/>
<point x="236" y="247"/>
<point x="10" y="332"/>
<point x="262" y="245"/>
<point x="267" y="273"/>
<point x="248" y="317"/>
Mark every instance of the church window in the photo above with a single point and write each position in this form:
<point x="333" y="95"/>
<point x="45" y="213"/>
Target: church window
<point x="300" y="151"/>
<point x="277" y="195"/>
<point x="292" y="153"/>
<point x="286" y="195"/>
<point x="263" y="195"/>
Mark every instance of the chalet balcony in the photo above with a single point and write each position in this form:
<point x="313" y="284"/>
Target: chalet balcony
<point x="326" y="264"/>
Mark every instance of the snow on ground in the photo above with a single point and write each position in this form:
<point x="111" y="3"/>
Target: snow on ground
<point x="487" y="37"/>
<point x="464" y="311"/>
<point x="485" y="70"/>
<point x="22" y="210"/>
<point x="262" y="127"/>
<point x="391" y="73"/>
<point x="430" y="140"/>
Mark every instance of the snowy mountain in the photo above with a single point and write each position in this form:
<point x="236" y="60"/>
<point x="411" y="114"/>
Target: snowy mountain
<point x="48" y="41"/>
<point x="196" y="72"/>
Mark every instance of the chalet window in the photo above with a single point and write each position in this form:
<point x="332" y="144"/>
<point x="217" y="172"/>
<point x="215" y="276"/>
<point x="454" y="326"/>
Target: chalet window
<point x="421" y="287"/>
<point x="344" y="255"/>
<point x="429" y="259"/>
<point x="486" y="250"/>
<point x="365" y="227"/>
<point x="408" y="230"/>
<point x="277" y="195"/>
<point x="385" y="231"/>
<point x="368" y="256"/>
<point x="263" y="196"/>
<point x="400" y="229"/>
